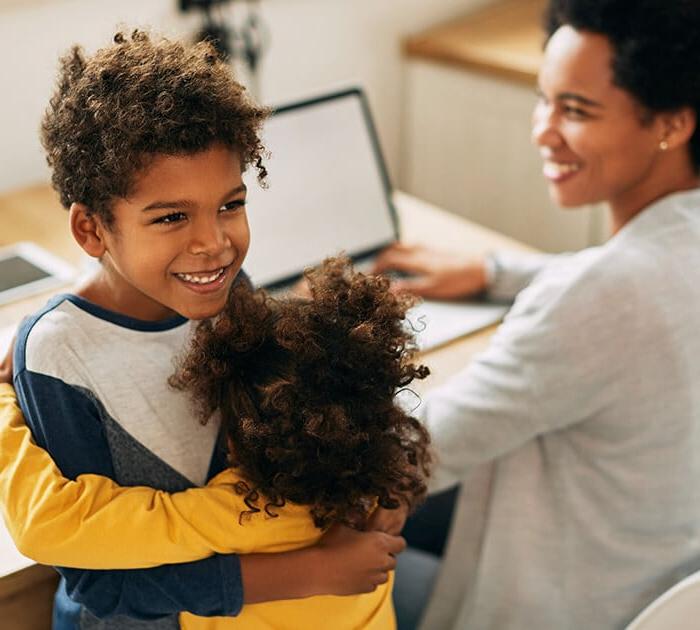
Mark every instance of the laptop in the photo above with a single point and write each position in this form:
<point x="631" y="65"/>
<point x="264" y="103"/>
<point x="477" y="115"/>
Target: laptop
<point x="329" y="192"/>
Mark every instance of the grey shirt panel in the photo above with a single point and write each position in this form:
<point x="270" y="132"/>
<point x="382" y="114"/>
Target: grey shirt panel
<point x="134" y="465"/>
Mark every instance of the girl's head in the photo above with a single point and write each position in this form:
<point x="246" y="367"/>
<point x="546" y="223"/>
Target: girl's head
<point x="619" y="97"/>
<point x="306" y="391"/>
<point x="148" y="139"/>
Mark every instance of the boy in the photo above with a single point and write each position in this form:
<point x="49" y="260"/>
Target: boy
<point x="147" y="141"/>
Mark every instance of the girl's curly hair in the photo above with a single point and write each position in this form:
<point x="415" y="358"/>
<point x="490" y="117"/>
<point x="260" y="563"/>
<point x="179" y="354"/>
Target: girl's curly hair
<point x="141" y="96"/>
<point x="307" y="395"/>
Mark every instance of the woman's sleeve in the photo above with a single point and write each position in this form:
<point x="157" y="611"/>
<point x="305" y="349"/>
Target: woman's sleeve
<point x="510" y="272"/>
<point x="551" y="364"/>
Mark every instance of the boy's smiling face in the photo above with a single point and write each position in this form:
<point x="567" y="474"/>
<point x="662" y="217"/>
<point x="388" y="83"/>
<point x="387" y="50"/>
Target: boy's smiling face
<point x="178" y="241"/>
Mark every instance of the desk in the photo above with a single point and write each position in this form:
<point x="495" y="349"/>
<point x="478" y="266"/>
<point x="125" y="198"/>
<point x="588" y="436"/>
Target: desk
<point x="35" y="214"/>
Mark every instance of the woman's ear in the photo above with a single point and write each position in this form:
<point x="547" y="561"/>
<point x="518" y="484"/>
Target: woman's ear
<point x="678" y="127"/>
<point x="88" y="230"/>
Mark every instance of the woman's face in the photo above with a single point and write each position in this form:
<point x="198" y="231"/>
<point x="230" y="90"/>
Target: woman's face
<point x="596" y="142"/>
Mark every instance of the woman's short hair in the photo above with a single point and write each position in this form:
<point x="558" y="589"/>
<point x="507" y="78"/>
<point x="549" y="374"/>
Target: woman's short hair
<point x="656" y="47"/>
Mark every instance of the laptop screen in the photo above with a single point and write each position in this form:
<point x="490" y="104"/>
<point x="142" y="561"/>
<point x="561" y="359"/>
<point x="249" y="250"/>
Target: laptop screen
<point x="328" y="189"/>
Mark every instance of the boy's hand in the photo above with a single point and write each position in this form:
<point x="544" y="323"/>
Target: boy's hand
<point x="388" y="521"/>
<point x="355" y="562"/>
<point x="6" y="364"/>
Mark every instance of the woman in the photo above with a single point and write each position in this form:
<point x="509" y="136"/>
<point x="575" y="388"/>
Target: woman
<point x="576" y="434"/>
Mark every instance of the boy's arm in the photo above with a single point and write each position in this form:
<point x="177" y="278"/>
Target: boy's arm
<point x="208" y="588"/>
<point x="346" y="562"/>
<point x="92" y="523"/>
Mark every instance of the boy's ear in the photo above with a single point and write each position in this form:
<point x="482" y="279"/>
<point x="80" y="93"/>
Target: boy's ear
<point x="88" y="230"/>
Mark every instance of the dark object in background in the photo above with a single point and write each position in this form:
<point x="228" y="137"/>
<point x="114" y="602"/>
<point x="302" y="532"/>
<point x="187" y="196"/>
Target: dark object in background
<point x="429" y="527"/>
<point x="247" y="42"/>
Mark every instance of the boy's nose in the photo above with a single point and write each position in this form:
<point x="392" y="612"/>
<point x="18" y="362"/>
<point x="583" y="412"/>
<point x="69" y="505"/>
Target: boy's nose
<point x="208" y="238"/>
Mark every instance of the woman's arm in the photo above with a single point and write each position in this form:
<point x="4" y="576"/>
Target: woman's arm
<point x="445" y="275"/>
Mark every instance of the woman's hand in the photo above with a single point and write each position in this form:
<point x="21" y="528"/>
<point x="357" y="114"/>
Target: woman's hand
<point x="433" y="273"/>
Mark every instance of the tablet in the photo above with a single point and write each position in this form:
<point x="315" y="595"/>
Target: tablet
<point x="27" y="269"/>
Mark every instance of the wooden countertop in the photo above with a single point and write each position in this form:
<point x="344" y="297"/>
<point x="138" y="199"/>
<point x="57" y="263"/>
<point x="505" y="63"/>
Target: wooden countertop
<point x="504" y="39"/>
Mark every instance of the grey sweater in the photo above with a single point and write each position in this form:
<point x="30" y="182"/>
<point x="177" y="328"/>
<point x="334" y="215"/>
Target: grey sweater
<point x="576" y="436"/>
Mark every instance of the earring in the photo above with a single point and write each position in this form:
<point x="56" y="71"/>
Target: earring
<point x="663" y="145"/>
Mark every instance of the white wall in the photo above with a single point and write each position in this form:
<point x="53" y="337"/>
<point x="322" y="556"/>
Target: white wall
<point x="314" y="44"/>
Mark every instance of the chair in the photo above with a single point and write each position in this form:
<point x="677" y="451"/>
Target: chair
<point x="677" y="609"/>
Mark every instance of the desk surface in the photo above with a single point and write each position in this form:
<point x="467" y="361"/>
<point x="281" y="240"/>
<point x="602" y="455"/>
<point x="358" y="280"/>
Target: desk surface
<point x="35" y="214"/>
<point x="503" y="39"/>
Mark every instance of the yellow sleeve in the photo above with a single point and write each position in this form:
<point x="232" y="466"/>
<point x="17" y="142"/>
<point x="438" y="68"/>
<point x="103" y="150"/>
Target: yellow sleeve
<point x="92" y="523"/>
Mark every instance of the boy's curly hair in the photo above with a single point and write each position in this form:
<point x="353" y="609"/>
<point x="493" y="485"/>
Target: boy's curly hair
<point x="307" y="395"/>
<point x="137" y="98"/>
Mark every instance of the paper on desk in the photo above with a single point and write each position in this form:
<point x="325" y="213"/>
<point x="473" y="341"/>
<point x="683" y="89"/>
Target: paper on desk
<point x="437" y="323"/>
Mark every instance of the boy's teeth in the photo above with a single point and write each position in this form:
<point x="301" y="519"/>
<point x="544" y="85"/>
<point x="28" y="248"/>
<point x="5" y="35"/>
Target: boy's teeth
<point x="187" y="277"/>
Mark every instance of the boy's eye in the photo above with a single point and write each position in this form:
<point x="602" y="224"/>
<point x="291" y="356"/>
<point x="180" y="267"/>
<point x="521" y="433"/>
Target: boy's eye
<point x="232" y="205"/>
<point x="173" y="217"/>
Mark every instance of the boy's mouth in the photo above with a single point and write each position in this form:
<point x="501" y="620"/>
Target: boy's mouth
<point x="202" y="277"/>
